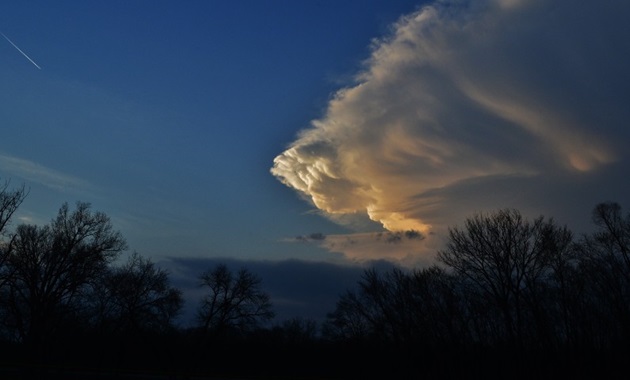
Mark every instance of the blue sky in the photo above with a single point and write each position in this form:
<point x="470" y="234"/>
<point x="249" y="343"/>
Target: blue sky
<point x="168" y="115"/>
<point x="313" y="131"/>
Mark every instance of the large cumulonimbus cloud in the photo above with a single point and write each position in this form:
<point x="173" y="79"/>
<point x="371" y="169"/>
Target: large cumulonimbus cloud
<point x="469" y="105"/>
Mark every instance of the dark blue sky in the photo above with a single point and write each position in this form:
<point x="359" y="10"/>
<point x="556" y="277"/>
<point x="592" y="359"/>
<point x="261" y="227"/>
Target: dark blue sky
<point x="312" y="131"/>
<point x="168" y="115"/>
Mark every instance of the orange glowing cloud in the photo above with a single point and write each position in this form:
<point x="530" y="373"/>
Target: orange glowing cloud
<point x="460" y="97"/>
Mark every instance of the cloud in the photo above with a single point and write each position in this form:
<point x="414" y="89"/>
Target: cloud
<point x="407" y="248"/>
<point x="34" y="172"/>
<point x="315" y="236"/>
<point x="464" y="106"/>
<point x="401" y="247"/>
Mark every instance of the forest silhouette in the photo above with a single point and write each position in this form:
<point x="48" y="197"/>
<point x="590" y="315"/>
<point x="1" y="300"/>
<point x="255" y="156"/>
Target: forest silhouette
<point x="507" y="297"/>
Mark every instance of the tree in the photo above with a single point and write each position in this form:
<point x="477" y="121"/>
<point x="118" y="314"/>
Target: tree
<point x="505" y="259"/>
<point x="233" y="301"/>
<point x="50" y="268"/>
<point x="135" y="297"/>
<point x="10" y="201"/>
<point x="299" y="330"/>
<point x="437" y="307"/>
<point x="605" y="262"/>
<point x="396" y="306"/>
<point x="611" y="240"/>
<point x="349" y="320"/>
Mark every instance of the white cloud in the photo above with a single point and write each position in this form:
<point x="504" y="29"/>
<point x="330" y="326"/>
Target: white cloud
<point x="464" y="100"/>
<point x="40" y="174"/>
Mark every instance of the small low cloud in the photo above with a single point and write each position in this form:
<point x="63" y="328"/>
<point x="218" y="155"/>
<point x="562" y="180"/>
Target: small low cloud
<point x="317" y="236"/>
<point x="406" y="248"/>
<point x="398" y="236"/>
<point x="469" y="105"/>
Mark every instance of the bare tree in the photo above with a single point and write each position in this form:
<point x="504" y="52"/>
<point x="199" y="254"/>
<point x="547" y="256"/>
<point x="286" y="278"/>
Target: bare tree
<point x="10" y="201"/>
<point x="234" y="301"/>
<point x="350" y="319"/>
<point x="438" y="308"/>
<point x="605" y="262"/>
<point x="505" y="258"/>
<point x="299" y="330"/>
<point x="396" y="306"/>
<point x="612" y="238"/>
<point x="386" y="303"/>
<point x="51" y="266"/>
<point x="135" y="297"/>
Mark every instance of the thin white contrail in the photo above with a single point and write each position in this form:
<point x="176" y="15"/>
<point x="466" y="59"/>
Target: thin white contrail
<point x="20" y="50"/>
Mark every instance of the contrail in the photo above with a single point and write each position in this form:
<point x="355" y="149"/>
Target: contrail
<point x="20" y="50"/>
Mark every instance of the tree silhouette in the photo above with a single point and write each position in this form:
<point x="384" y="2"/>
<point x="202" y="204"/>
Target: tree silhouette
<point x="350" y="319"/>
<point x="135" y="297"/>
<point x="605" y="265"/>
<point x="234" y="302"/>
<point x="505" y="259"/>
<point x="299" y="330"/>
<point x="508" y="296"/>
<point x="50" y="268"/>
<point x="10" y="201"/>
<point x="398" y="306"/>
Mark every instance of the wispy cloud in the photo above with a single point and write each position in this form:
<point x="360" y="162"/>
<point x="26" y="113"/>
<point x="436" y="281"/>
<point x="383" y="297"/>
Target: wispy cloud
<point x="465" y="105"/>
<point x="33" y="172"/>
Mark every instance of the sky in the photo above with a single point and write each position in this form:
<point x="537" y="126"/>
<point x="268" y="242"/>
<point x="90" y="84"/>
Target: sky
<point x="306" y="140"/>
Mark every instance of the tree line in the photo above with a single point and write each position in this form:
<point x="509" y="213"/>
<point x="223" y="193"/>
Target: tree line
<point x="506" y="295"/>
